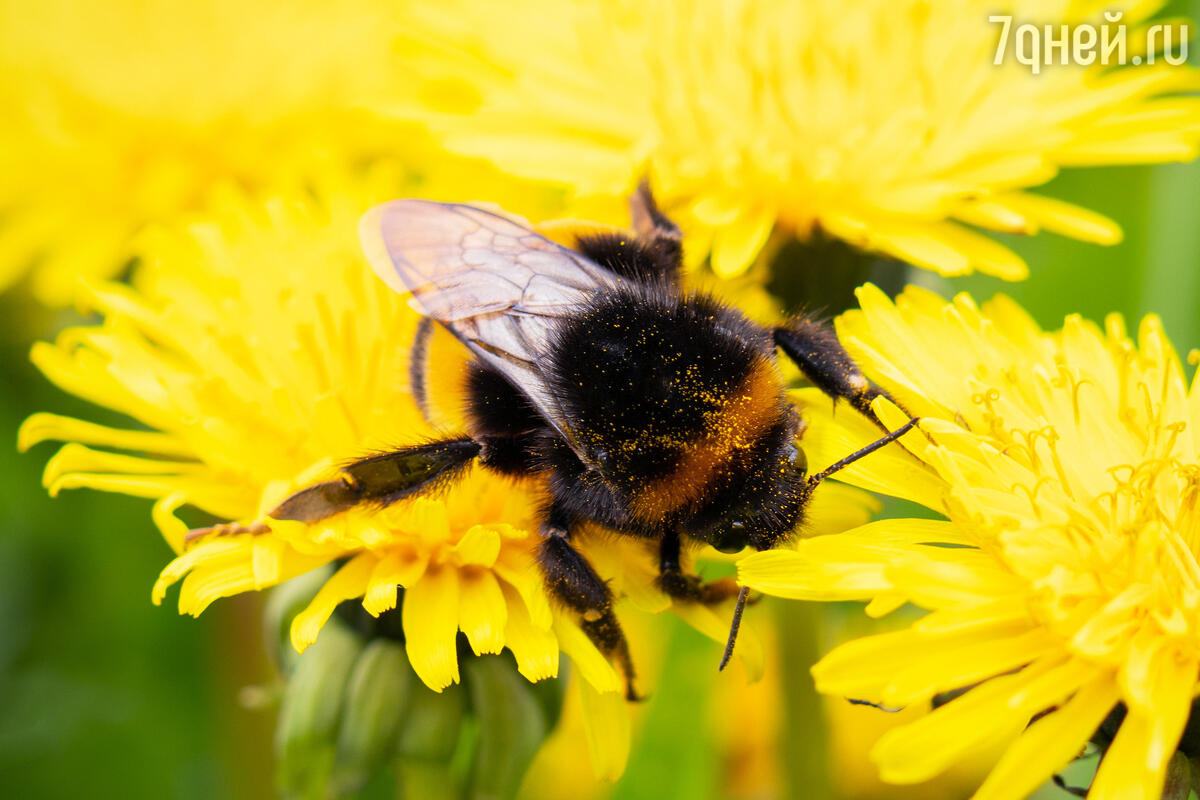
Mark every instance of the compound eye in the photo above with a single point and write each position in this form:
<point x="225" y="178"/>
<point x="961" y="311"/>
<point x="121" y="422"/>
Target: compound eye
<point x="732" y="540"/>
<point x="795" y="456"/>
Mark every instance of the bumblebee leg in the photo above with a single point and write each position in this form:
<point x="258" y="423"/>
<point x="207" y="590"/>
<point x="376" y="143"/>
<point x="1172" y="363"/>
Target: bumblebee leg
<point x="606" y="633"/>
<point x="418" y="361"/>
<point x="655" y="227"/>
<point x="573" y="580"/>
<point x="654" y="255"/>
<point x="225" y="529"/>
<point x="382" y="479"/>
<point x="681" y="586"/>
<point x="815" y="349"/>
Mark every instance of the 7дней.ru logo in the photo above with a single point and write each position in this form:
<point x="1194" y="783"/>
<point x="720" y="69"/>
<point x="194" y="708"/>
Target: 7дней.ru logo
<point x="1084" y="44"/>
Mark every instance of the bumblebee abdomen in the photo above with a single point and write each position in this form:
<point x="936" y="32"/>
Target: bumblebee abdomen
<point x="665" y="393"/>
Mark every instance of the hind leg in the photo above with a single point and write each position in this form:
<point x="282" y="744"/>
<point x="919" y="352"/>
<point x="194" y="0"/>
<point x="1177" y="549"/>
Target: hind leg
<point x="382" y="479"/>
<point x="814" y="347"/>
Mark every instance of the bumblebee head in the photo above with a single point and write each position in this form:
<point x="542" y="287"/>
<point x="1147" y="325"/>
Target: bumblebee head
<point x="768" y="508"/>
<point x="764" y="525"/>
<point x="771" y="508"/>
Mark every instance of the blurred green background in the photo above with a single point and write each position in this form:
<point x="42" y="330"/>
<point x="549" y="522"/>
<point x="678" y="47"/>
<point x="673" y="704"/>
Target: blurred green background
<point x="103" y="694"/>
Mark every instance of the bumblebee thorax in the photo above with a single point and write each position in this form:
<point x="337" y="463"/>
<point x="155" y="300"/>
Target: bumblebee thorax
<point x="667" y="392"/>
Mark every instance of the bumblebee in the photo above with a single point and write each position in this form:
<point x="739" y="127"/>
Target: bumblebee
<point x="651" y="410"/>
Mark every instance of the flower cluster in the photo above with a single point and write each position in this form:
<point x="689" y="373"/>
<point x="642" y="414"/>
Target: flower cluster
<point x="228" y="157"/>
<point x="1063" y="580"/>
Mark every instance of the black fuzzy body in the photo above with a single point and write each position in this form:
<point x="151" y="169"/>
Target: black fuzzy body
<point x="644" y="374"/>
<point x="641" y="374"/>
<point x="637" y="373"/>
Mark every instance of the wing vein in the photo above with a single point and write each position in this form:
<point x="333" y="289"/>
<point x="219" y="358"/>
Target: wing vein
<point x="494" y="283"/>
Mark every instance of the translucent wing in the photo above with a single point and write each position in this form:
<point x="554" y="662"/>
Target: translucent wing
<point x="494" y="283"/>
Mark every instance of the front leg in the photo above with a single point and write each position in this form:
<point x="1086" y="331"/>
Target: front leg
<point x="815" y="349"/>
<point x="571" y="579"/>
<point x="690" y="588"/>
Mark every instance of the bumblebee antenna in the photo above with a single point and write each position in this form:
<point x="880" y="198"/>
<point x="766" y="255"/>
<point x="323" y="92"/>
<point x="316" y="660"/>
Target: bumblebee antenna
<point x="734" y="626"/>
<point x="866" y="451"/>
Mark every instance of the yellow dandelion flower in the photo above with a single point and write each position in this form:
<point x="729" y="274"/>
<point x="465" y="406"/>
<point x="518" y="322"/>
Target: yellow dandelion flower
<point x="854" y="729"/>
<point x="1063" y="585"/>
<point x="119" y="115"/>
<point x="261" y="351"/>
<point x="886" y="124"/>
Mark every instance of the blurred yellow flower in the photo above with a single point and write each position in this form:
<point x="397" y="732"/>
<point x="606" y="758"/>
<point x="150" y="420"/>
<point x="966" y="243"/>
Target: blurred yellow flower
<point x="121" y="114"/>
<point x="1063" y="587"/>
<point x="885" y="124"/>
<point x="759" y="745"/>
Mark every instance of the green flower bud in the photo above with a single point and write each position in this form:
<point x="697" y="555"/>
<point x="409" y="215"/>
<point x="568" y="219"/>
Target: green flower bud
<point x="433" y="724"/>
<point x="313" y="703"/>
<point x="429" y="738"/>
<point x="377" y="702"/>
<point x="352" y="701"/>
<point x="513" y="723"/>
<point x="1178" y="784"/>
<point x="551" y="694"/>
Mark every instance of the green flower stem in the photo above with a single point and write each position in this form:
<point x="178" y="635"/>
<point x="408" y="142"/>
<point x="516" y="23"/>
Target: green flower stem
<point x="804" y="739"/>
<point x="426" y="780"/>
